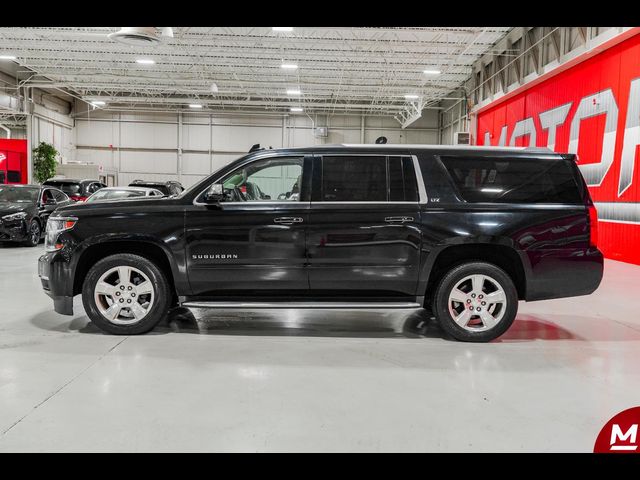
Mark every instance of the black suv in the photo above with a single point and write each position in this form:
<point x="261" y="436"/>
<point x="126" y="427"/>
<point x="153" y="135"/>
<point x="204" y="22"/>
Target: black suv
<point x="168" y="188"/>
<point x="78" y="190"/>
<point x="464" y="232"/>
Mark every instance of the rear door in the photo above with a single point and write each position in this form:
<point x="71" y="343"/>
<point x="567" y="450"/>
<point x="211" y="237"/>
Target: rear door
<point x="364" y="236"/>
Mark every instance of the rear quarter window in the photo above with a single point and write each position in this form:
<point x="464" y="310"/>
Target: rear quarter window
<point x="513" y="180"/>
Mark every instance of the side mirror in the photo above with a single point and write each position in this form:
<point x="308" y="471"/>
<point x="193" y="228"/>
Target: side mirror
<point x="215" y="194"/>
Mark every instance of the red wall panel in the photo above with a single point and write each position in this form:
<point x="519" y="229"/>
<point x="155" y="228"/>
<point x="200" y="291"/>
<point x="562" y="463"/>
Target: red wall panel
<point x="602" y="119"/>
<point x="13" y="156"/>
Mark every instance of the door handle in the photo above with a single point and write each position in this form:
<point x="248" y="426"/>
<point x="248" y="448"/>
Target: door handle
<point x="288" y="220"/>
<point x="398" y="219"/>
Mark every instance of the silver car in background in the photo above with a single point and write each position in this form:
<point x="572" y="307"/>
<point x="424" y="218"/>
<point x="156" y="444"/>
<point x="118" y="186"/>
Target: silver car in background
<point x="123" y="193"/>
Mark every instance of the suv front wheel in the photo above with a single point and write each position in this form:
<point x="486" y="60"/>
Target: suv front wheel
<point x="125" y="294"/>
<point x="475" y="302"/>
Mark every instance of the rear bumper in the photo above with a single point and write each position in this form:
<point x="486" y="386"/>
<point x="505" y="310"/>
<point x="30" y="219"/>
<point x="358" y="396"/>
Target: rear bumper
<point x="563" y="273"/>
<point x="57" y="281"/>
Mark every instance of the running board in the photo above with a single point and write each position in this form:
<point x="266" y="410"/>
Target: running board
<point x="251" y="305"/>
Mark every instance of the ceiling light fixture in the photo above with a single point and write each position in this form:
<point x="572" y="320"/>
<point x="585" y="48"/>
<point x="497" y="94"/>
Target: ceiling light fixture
<point x="195" y="105"/>
<point x="411" y="96"/>
<point x="145" y="61"/>
<point x="294" y="92"/>
<point x="289" y="66"/>
<point x="297" y="109"/>
<point x="7" y="57"/>
<point x="98" y="103"/>
<point x="432" y="72"/>
<point x="282" y="29"/>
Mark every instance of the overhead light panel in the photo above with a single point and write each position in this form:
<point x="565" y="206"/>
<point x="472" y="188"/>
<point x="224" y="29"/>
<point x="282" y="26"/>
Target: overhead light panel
<point x="98" y="103"/>
<point x="214" y="88"/>
<point x="195" y="105"/>
<point x="297" y="109"/>
<point x="7" y="57"/>
<point x="289" y="66"/>
<point x="145" y="61"/>
<point x="432" y="72"/>
<point x="411" y="96"/>
<point x="294" y="91"/>
<point x="282" y="29"/>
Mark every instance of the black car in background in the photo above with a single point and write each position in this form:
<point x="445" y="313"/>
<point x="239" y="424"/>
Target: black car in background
<point x="169" y="188"/>
<point x="77" y="190"/>
<point x="24" y="210"/>
<point x="465" y="232"/>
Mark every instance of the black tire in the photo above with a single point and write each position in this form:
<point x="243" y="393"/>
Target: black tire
<point x="34" y="234"/>
<point x="162" y="294"/>
<point x="440" y="304"/>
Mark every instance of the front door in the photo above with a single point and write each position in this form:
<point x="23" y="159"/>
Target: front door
<point x="363" y="234"/>
<point x="253" y="242"/>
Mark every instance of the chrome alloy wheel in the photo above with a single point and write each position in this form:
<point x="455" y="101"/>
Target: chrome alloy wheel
<point x="34" y="233"/>
<point x="124" y="295"/>
<point x="477" y="303"/>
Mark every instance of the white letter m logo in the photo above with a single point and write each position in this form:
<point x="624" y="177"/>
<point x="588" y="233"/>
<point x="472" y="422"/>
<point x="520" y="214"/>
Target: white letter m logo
<point x="631" y="435"/>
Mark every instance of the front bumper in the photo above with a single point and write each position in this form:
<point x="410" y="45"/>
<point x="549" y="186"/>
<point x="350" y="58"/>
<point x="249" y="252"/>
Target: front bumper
<point x="13" y="231"/>
<point x="57" y="281"/>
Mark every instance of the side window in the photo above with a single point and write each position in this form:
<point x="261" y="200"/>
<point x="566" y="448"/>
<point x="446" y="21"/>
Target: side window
<point x="515" y="180"/>
<point x="271" y="179"/>
<point x="47" y="194"/>
<point x="59" y="196"/>
<point x="354" y="179"/>
<point x="402" y="180"/>
<point x="94" y="187"/>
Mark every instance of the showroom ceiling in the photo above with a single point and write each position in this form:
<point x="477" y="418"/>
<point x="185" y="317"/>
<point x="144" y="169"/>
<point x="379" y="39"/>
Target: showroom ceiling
<point x="362" y="70"/>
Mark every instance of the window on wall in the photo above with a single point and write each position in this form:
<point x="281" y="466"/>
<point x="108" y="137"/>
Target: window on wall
<point x="13" y="176"/>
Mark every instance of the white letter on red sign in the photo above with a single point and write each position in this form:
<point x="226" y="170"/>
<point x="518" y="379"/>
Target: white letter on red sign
<point x="501" y="142"/>
<point x="631" y="137"/>
<point x="522" y="128"/>
<point x="597" y="104"/>
<point x="552" y="119"/>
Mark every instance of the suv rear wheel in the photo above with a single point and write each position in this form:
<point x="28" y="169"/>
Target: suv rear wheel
<point x="475" y="302"/>
<point x="125" y="294"/>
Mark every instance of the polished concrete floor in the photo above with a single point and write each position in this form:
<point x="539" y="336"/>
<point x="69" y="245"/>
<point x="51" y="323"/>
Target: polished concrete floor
<point x="293" y="380"/>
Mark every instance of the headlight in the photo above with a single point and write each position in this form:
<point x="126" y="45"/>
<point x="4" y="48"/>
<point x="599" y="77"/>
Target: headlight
<point x="55" y="226"/>
<point x="15" y="217"/>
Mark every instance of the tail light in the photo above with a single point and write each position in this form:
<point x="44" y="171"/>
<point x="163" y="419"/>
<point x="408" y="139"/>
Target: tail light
<point x="78" y="198"/>
<point x="593" y="226"/>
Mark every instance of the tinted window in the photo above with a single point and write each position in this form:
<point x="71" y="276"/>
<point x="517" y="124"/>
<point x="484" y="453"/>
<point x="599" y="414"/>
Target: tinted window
<point x="13" y="176"/>
<point x="354" y="179"/>
<point x="47" y="195"/>
<point x="67" y="187"/>
<point x="2" y="177"/>
<point x="59" y="196"/>
<point x="523" y="180"/>
<point x="402" y="180"/>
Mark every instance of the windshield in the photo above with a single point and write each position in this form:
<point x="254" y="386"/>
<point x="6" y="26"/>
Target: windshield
<point x="67" y="187"/>
<point x="19" y="195"/>
<point x="112" y="194"/>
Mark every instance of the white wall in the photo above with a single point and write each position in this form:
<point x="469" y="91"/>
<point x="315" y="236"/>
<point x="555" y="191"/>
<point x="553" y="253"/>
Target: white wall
<point x="147" y="145"/>
<point x="453" y="118"/>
